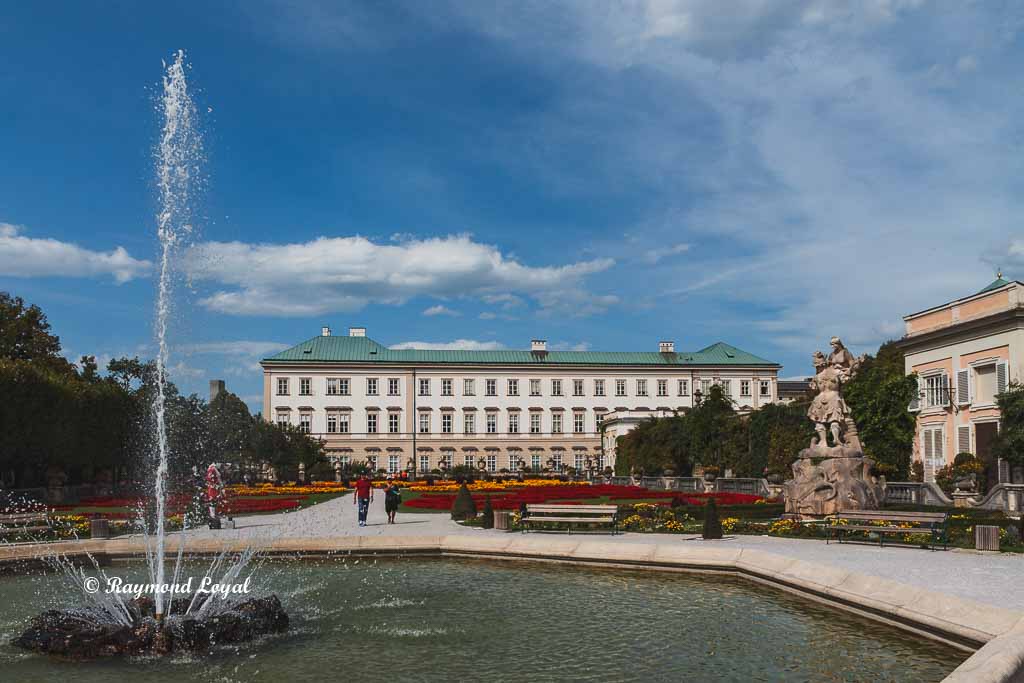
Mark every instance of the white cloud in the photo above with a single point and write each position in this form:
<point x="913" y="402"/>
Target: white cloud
<point x="240" y="358"/>
<point x="22" y="256"/>
<point x="488" y="315"/>
<point x="332" y="274"/>
<point x="803" y="144"/>
<point x="653" y="256"/>
<point x="456" y="345"/>
<point x="569" y="346"/>
<point x="440" y="310"/>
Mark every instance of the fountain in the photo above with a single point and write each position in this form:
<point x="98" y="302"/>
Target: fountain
<point x="118" y="623"/>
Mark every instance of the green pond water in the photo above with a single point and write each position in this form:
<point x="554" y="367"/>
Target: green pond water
<point x="463" y="620"/>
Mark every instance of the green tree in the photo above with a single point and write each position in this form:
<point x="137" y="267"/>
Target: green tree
<point x="654" y="446"/>
<point x="778" y="432"/>
<point x="487" y="516"/>
<point x="1009" y="444"/>
<point x="128" y="372"/>
<point x="463" y="507"/>
<point x="25" y="336"/>
<point x="712" y="524"/>
<point x="879" y="396"/>
<point x="716" y="437"/>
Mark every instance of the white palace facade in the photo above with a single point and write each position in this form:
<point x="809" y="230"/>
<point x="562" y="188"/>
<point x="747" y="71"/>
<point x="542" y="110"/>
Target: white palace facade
<point x="424" y="409"/>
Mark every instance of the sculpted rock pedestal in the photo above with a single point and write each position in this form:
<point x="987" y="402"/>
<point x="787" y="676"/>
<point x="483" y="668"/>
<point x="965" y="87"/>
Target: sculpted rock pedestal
<point x="832" y="475"/>
<point x="829" y="486"/>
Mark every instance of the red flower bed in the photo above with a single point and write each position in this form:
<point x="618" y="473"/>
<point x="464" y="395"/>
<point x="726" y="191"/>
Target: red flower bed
<point x="720" y="498"/>
<point x="237" y="506"/>
<point x="511" y="500"/>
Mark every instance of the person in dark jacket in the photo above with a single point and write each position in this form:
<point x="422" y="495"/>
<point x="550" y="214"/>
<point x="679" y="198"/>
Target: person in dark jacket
<point x="392" y="499"/>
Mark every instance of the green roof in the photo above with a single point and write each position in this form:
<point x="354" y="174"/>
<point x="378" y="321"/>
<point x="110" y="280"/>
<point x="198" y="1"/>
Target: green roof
<point x="365" y="350"/>
<point x="996" y="284"/>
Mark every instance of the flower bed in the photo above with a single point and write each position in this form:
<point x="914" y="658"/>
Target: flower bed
<point x="511" y="497"/>
<point x="496" y="485"/>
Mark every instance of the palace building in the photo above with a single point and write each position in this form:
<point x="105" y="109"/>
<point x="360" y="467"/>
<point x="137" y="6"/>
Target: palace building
<point x="965" y="352"/>
<point x="501" y="410"/>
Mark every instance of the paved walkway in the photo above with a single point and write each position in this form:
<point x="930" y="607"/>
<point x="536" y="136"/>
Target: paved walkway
<point x="989" y="578"/>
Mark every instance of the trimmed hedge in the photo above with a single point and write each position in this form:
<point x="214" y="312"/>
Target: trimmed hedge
<point x="463" y="507"/>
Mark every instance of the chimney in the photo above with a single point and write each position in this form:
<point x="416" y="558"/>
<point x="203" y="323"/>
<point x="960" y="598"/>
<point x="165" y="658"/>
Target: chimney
<point x="357" y="331"/>
<point x="539" y="345"/>
<point x="325" y="331"/>
<point x="216" y="388"/>
<point x="667" y="346"/>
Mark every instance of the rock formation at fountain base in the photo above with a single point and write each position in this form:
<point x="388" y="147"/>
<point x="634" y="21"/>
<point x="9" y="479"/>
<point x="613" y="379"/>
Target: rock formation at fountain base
<point x="830" y="486"/>
<point x="79" y="636"/>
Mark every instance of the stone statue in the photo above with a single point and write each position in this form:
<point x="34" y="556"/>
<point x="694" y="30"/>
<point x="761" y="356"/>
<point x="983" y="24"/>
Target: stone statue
<point x="828" y="410"/>
<point x="832" y="476"/>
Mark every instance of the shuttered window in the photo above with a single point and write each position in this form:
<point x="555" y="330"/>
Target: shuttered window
<point x="932" y="446"/>
<point x="963" y="387"/>
<point x="963" y="439"/>
<point x="1002" y="377"/>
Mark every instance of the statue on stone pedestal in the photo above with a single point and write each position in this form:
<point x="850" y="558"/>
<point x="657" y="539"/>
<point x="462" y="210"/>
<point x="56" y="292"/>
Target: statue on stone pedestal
<point x="830" y="477"/>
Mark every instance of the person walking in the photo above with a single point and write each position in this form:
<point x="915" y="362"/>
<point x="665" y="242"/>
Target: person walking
<point x="392" y="499"/>
<point x="363" y="497"/>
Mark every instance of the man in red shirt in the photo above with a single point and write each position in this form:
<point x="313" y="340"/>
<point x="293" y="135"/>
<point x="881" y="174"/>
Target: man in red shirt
<point x="363" y="497"/>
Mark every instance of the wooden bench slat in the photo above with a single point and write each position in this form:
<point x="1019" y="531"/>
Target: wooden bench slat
<point x="891" y="515"/>
<point x="932" y="523"/>
<point x="598" y="520"/>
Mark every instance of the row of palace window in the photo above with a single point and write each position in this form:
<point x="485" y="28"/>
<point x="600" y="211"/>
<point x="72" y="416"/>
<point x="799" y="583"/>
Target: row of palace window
<point x="511" y="461"/>
<point x="342" y="386"/>
<point x="341" y="422"/>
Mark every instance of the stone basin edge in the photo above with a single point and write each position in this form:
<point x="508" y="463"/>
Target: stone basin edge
<point x="995" y="635"/>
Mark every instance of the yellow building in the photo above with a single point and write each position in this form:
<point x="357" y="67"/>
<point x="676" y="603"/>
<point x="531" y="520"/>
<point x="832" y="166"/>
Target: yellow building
<point x="964" y="352"/>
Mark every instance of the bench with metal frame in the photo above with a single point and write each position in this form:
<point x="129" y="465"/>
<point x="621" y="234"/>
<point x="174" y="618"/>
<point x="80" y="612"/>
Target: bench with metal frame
<point x="933" y="524"/>
<point x="23" y="522"/>
<point x="591" y="515"/>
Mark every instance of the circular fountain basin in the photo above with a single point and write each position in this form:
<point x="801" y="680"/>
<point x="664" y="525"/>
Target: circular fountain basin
<point x="448" y="619"/>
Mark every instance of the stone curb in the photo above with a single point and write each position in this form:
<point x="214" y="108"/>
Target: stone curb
<point x="997" y="634"/>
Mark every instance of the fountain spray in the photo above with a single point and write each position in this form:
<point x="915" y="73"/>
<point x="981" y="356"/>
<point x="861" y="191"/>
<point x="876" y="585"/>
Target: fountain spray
<point x="178" y="157"/>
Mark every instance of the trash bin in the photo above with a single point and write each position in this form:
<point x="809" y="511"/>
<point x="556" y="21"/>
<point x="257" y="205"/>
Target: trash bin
<point x="501" y="519"/>
<point x="986" y="537"/>
<point x="99" y="528"/>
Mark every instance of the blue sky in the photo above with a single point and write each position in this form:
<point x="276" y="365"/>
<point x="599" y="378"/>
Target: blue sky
<point x="602" y="175"/>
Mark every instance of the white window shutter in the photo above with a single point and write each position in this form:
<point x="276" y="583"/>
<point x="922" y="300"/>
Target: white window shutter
<point x="915" y="402"/>
<point x="1002" y="376"/>
<point x="944" y="390"/>
<point x="963" y="387"/>
<point x="940" y="447"/>
<point x="963" y="439"/>
<point x="927" y="453"/>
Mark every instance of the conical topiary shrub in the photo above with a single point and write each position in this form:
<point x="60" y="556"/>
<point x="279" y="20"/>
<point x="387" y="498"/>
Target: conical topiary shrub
<point x="712" y="525"/>
<point x="463" y="507"/>
<point x="487" y="517"/>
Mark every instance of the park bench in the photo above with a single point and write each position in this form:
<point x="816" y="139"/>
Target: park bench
<point x="933" y="524"/>
<point x="23" y="522"/>
<point x="570" y="515"/>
